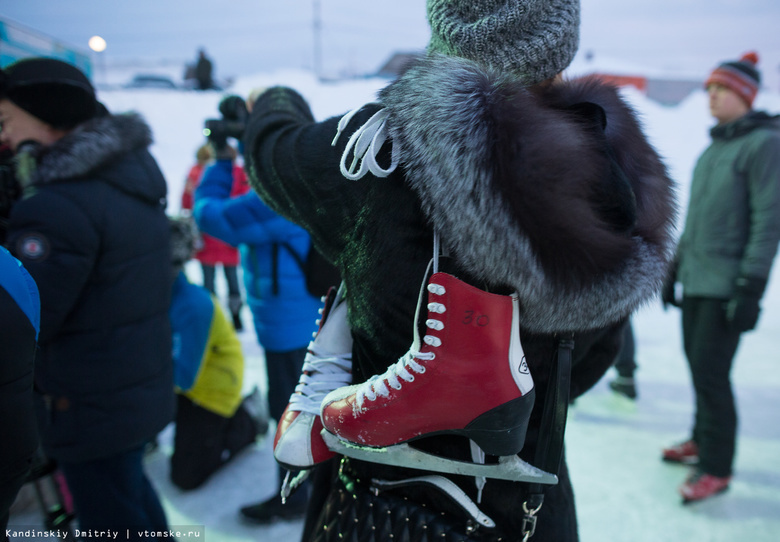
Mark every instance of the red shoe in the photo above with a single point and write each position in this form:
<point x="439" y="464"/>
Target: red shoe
<point x="686" y="453"/>
<point x="701" y="485"/>
<point x="327" y="366"/>
<point x="467" y="377"/>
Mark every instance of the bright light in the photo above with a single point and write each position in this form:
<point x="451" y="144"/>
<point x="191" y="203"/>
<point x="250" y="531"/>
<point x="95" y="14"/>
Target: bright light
<point x="97" y="44"/>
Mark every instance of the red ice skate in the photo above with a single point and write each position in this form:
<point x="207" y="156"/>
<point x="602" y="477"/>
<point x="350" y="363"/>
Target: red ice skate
<point x="701" y="485"/>
<point x="686" y="453"/>
<point x="327" y="366"/>
<point x="468" y="376"/>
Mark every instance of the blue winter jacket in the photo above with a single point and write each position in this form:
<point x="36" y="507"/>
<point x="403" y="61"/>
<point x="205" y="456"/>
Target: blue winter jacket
<point x="284" y="319"/>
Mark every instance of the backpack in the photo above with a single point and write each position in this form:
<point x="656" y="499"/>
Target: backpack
<point x="320" y="274"/>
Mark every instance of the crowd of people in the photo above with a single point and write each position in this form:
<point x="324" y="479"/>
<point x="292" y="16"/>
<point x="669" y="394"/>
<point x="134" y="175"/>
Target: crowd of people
<point x="500" y="227"/>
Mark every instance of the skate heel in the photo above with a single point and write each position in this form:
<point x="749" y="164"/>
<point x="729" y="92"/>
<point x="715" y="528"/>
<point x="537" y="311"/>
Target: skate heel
<point x="501" y="431"/>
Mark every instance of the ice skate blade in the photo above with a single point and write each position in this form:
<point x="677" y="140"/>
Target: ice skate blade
<point x="509" y="467"/>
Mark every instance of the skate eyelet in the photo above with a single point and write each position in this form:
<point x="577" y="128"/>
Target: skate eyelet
<point x="437" y="289"/>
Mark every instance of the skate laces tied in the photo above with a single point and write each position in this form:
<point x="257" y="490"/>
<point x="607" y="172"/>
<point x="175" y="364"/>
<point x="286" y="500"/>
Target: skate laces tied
<point x="322" y="373"/>
<point x="366" y="143"/>
<point x="377" y="384"/>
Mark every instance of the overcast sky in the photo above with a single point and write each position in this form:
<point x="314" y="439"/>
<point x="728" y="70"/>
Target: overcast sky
<point x="247" y="36"/>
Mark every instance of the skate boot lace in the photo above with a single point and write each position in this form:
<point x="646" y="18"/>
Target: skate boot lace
<point x="407" y="366"/>
<point x="322" y="373"/>
<point x="365" y="144"/>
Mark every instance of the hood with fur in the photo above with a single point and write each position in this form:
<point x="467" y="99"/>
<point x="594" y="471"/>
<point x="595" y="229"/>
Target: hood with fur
<point x="554" y="192"/>
<point x="100" y="148"/>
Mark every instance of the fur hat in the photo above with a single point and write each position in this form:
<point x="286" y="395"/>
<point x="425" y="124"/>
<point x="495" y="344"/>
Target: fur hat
<point x="535" y="39"/>
<point x="51" y="90"/>
<point x="184" y="239"/>
<point x="740" y="76"/>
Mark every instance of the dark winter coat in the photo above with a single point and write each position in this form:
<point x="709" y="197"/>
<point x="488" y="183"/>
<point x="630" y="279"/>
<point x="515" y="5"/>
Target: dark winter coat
<point x="91" y="230"/>
<point x="555" y="194"/>
<point x="19" y="323"/>
<point x="732" y="227"/>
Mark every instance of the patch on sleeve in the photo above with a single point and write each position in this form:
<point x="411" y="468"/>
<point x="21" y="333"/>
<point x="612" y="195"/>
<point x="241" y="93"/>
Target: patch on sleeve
<point x="33" y="246"/>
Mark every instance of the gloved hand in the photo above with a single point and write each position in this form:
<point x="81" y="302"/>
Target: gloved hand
<point x="743" y="308"/>
<point x="233" y="108"/>
<point x="668" y="292"/>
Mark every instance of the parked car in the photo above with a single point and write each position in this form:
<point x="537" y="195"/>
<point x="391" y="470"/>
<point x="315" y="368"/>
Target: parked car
<point x="149" y="80"/>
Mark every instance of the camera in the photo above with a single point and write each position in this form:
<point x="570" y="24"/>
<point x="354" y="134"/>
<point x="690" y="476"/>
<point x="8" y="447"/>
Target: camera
<point x="218" y="130"/>
<point x="232" y="124"/>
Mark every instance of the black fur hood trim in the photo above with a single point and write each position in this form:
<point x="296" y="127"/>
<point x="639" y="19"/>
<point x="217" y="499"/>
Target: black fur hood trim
<point x="89" y="147"/>
<point x="555" y="193"/>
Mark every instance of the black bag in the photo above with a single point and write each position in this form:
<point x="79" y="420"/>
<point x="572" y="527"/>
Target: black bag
<point x="355" y="513"/>
<point x="320" y="274"/>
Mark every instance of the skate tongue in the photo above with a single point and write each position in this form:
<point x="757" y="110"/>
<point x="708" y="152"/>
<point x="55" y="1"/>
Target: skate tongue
<point x="335" y="337"/>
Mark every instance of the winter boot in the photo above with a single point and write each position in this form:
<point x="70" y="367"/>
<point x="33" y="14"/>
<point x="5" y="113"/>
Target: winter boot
<point x="625" y="386"/>
<point x="327" y="366"/>
<point x="686" y="453"/>
<point x="467" y="377"/>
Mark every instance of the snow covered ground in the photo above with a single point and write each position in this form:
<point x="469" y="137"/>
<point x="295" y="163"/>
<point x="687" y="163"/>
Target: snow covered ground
<point x="624" y="492"/>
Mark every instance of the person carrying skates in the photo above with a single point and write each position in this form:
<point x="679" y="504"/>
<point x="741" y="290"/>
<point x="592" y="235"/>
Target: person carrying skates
<point x="531" y="210"/>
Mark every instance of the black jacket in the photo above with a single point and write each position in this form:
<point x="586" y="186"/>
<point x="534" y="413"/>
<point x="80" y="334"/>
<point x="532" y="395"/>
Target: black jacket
<point x="92" y="231"/>
<point x="555" y="194"/>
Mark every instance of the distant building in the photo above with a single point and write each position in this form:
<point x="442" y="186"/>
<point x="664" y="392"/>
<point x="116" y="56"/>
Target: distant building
<point x="664" y="88"/>
<point x="17" y="42"/>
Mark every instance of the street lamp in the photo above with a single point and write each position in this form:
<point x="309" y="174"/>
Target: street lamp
<point x="98" y="44"/>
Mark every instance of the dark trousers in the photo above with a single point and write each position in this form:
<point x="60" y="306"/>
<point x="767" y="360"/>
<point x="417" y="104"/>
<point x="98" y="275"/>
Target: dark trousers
<point x="284" y="371"/>
<point x="231" y="276"/>
<point x="114" y="493"/>
<point x="710" y="347"/>
<point x="205" y="441"/>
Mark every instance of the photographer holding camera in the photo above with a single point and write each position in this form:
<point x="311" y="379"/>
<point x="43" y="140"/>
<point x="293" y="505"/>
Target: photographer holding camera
<point x="283" y="310"/>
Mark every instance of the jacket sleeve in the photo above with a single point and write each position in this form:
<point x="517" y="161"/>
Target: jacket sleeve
<point x="763" y="184"/>
<point x="191" y="313"/>
<point x="241" y="220"/>
<point x="294" y="166"/>
<point x="57" y="244"/>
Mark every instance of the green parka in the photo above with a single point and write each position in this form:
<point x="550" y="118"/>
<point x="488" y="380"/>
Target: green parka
<point x="732" y="228"/>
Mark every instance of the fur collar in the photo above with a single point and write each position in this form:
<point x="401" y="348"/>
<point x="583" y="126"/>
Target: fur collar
<point x="90" y="146"/>
<point x="554" y="193"/>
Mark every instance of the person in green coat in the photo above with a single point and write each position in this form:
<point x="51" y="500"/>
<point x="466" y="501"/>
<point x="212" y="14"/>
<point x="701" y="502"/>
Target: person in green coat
<point x="724" y="257"/>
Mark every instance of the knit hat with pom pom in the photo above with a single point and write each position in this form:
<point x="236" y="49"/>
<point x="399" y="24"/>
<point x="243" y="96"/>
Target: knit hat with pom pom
<point x="740" y="76"/>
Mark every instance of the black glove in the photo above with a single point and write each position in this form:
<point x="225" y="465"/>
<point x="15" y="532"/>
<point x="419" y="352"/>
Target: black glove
<point x="233" y="108"/>
<point x="743" y="308"/>
<point x="668" y="292"/>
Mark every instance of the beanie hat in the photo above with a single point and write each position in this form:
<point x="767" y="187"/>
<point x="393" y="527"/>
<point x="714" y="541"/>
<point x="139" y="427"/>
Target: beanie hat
<point x="535" y="39"/>
<point x="51" y="90"/>
<point x="740" y="76"/>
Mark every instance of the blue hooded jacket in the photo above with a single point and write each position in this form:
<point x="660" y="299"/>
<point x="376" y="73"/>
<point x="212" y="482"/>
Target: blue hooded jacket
<point x="284" y="319"/>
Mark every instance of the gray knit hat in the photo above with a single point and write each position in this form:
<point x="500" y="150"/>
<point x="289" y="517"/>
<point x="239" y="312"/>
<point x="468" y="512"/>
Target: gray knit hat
<point x="535" y="39"/>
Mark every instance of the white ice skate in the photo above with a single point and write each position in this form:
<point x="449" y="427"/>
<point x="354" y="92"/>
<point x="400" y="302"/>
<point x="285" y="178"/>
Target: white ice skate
<point x="328" y="365"/>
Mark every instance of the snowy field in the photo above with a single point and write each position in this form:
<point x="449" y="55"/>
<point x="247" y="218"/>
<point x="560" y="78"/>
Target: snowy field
<point x="624" y="492"/>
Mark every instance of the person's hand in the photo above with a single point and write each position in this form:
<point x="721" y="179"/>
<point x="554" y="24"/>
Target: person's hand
<point x="743" y="309"/>
<point x="668" y="290"/>
<point x="669" y="295"/>
<point x="233" y="108"/>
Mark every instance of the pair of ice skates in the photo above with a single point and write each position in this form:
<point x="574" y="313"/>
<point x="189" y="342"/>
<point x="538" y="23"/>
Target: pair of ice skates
<point x="466" y="376"/>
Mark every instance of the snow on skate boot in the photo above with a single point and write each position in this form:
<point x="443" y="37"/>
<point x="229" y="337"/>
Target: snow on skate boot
<point x="468" y="376"/>
<point x="327" y="366"/>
